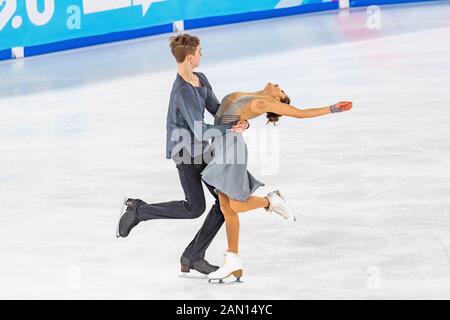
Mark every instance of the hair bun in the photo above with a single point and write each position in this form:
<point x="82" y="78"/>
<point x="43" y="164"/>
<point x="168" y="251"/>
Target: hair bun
<point x="272" y="117"/>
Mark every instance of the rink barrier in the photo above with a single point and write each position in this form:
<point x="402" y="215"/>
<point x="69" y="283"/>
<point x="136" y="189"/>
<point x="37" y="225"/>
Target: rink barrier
<point x="190" y="24"/>
<point x="258" y="15"/>
<point x="365" y="3"/>
<point x="96" y="40"/>
<point x="170" y="27"/>
<point x="5" y="54"/>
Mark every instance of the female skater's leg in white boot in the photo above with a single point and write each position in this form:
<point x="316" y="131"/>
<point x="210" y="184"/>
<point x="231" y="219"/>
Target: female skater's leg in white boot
<point x="230" y="209"/>
<point x="233" y="263"/>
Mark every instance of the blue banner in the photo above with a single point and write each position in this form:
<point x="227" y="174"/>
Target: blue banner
<point x="26" y="23"/>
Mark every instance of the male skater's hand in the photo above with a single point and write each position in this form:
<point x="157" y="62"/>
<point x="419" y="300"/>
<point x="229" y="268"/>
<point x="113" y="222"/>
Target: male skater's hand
<point x="240" y="127"/>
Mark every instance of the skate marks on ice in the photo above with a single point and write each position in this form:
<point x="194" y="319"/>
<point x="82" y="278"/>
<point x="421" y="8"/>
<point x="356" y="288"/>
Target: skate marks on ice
<point x="193" y="276"/>
<point x="204" y="278"/>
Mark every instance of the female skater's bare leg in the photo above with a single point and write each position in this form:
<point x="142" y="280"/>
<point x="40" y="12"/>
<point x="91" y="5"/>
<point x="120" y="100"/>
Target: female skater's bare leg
<point x="233" y="264"/>
<point x="231" y="222"/>
<point x="252" y="203"/>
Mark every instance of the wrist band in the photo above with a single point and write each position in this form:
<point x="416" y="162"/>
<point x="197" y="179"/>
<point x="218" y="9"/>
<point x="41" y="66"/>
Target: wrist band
<point x="334" y="109"/>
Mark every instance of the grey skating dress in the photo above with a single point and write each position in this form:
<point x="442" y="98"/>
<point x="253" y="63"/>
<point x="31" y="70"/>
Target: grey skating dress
<point x="227" y="171"/>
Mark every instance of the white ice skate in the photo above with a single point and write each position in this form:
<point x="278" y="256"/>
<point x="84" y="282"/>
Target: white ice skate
<point x="279" y="205"/>
<point x="233" y="266"/>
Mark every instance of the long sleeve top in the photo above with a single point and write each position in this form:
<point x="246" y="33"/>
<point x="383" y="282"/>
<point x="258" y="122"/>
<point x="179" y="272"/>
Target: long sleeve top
<point x="185" y="118"/>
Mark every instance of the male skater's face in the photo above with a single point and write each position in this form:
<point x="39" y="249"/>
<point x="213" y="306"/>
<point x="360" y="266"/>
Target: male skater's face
<point x="194" y="60"/>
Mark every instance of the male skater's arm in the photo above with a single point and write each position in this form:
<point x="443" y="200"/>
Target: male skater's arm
<point x="190" y="107"/>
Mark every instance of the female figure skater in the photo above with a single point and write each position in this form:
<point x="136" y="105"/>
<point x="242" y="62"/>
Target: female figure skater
<point x="230" y="178"/>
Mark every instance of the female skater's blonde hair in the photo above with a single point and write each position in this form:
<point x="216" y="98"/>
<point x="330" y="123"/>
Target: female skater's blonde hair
<point x="182" y="45"/>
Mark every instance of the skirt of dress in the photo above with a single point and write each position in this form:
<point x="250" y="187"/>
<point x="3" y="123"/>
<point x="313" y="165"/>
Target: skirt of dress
<point x="227" y="171"/>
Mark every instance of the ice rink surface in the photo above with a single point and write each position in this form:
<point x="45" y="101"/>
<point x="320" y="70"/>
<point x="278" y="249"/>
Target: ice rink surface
<point x="371" y="187"/>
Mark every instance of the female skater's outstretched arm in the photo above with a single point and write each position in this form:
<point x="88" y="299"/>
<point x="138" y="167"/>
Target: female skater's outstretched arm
<point x="284" y="109"/>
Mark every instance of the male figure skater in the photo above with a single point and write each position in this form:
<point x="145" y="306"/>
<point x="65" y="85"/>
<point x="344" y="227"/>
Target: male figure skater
<point x="191" y="94"/>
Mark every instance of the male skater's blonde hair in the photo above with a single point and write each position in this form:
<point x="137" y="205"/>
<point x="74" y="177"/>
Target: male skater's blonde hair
<point x="182" y="45"/>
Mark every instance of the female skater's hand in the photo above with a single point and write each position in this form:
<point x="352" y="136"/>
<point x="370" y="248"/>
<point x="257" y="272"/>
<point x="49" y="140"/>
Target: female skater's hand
<point x="240" y="127"/>
<point x="341" y="106"/>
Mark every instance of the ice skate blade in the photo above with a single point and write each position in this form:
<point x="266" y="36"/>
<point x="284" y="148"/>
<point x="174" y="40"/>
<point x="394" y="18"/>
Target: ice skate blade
<point x="216" y="281"/>
<point x="225" y="283"/>
<point x="237" y="274"/>
<point x="120" y="217"/>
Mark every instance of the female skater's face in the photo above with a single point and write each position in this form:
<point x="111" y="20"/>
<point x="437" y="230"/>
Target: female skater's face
<point x="194" y="59"/>
<point x="274" y="90"/>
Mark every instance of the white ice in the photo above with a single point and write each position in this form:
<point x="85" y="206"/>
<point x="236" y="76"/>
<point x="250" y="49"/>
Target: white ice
<point x="81" y="129"/>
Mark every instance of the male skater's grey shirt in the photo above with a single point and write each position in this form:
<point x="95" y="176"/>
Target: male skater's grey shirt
<point x="186" y="111"/>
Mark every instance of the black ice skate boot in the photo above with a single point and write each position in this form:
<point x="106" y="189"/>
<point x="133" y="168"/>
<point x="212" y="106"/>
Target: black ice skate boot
<point x="129" y="219"/>
<point x="201" y="265"/>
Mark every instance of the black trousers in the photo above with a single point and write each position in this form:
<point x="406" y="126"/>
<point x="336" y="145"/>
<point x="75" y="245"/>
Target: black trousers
<point x="192" y="207"/>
